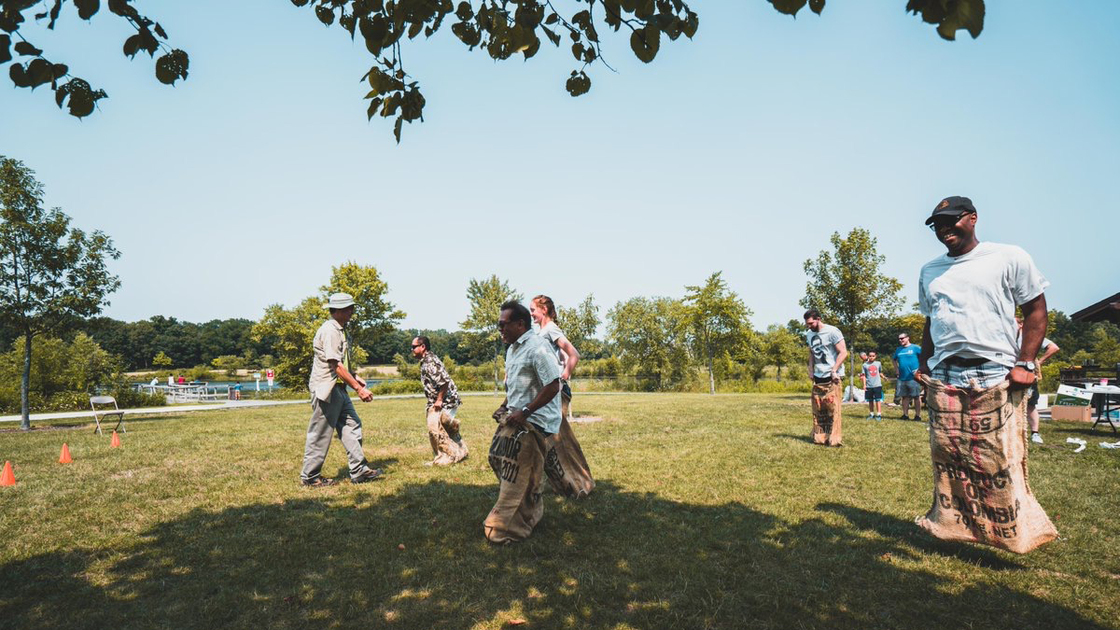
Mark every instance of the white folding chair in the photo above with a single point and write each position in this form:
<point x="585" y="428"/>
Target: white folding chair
<point x="104" y="412"/>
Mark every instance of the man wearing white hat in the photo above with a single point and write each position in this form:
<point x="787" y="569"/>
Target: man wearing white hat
<point x="331" y="409"/>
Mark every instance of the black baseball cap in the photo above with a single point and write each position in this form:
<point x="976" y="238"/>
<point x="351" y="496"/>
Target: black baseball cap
<point x="951" y="206"/>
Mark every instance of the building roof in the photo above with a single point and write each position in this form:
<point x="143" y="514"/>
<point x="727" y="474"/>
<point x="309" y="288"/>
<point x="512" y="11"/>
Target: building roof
<point x="1107" y="310"/>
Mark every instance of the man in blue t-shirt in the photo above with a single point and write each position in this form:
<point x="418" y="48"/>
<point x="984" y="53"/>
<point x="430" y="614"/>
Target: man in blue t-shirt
<point x="906" y="361"/>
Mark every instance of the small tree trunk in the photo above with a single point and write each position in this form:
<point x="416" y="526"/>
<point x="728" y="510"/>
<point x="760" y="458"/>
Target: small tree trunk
<point x="496" y="352"/>
<point x="779" y="373"/>
<point x="25" y="385"/>
<point x="711" y="376"/>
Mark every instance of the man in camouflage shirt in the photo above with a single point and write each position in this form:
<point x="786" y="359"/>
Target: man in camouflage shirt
<point x="443" y="402"/>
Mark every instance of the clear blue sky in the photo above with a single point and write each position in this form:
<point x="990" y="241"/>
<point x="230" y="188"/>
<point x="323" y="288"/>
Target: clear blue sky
<point x="740" y="151"/>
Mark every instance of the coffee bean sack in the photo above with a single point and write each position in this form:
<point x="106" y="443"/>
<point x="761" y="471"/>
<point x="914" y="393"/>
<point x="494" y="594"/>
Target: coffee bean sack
<point x="517" y="458"/>
<point x="565" y="465"/>
<point x="981" y="490"/>
<point x="447" y="444"/>
<point x="826" y="414"/>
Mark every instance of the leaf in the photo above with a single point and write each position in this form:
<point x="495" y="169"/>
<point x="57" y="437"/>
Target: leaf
<point x="27" y="49"/>
<point x="5" y="44"/>
<point x="816" y="6"/>
<point x="552" y="37"/>
<point x="374" y="29"/>
<point x="39" y="71"/>
<point x="577" y="84"/>
<point x="691" y="23"/>
<point x="645" y="43"/>
<point x="132" y="46"/>
<point x="552" y="19"/>
<point x="397" y="129"/>
<point x="789" y="7"/>
<point x="159" y="31"/>
<point x="325" y="15"/>
<point x="415" y="29"/>
<point x="172" y="66"/>
<point x="87" y="8"/>
<point x="18" y="75"/>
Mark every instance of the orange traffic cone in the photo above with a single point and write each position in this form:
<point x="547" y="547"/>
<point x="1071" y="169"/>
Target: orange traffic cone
<point x="116" y="441"/>
<point x="7" y="478"/>
<point x="64" y="457"/>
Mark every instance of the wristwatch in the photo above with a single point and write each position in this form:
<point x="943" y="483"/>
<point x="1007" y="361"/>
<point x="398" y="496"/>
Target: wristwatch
<point x="1029" y="365"/>
<point x="526" y="411"/>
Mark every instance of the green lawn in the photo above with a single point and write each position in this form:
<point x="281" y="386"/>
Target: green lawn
<point x="710" y="512"/>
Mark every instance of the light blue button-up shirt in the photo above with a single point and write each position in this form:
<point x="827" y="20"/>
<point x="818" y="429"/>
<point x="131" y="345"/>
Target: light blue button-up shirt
<point x="530" y="365"/>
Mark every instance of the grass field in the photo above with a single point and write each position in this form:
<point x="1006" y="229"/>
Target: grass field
<point x="710" y="512"/>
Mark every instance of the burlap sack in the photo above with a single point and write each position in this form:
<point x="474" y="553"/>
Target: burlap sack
<point x="517" y="458"/>
<point x="448" y="446"/>
<point x="826" y="414"/>
<point x="564" y="464"/>
<point x="981" y="492"/>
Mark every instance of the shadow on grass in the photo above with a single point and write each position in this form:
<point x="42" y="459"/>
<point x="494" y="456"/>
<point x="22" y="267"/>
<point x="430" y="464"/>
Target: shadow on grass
<point x="618" y="559"/>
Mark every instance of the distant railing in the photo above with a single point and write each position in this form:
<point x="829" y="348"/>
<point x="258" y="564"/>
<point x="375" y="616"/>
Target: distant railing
<point x="195" y="392"/>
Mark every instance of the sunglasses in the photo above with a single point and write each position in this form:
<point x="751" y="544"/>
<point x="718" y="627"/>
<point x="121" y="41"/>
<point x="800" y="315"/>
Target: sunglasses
<point x="417" y="345"/>
<point x="939" y="222"/>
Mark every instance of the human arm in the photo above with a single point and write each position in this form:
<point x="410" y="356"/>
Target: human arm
<point x="1048" y="352"/>
<point x="354" y="382"/>
<point x="438" y="404"/>
<point x="841" y="356"/>
<point x="1034" y="329"/>
<point x="571" y="357"/>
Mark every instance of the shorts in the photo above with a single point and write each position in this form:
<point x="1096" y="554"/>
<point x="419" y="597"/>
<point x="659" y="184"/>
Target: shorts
<point x="1032" y="402"/>
<point x="873" y="394"/>
<point x="908" y="389"/>
<point x="983" y="376"/>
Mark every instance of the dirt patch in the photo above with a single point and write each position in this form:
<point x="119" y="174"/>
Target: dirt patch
<point x="585" y="419"/>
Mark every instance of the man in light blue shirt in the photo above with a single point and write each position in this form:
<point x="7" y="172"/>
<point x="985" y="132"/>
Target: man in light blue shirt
<point x="532" y="373"/>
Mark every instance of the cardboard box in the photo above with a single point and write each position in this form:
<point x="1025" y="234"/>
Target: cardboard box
<point x="1072" y="396"/>
<point x="1067" y="413"/>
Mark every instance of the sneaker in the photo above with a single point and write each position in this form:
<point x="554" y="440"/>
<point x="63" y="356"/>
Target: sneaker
<point x="1036" y="438"/>
<point x="879" y="418"/>
<point x="917" y="418"/>
<point x="371" y="474"/>
<point x="905" y="417"/>
<point x="318" y="482"/>
<point x="870" y="416"/>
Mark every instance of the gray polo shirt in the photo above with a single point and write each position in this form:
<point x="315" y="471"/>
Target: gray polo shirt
<point x="330" y="344"/>
<point x="530" y="365"/>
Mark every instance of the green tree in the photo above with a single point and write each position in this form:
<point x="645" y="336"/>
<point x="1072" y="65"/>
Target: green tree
<point x="505" y="30"/>
<point x="51" y="274"/>
<point x="481" y="325"/>
<point x="718" y="321"/>
<point x="848" y="286"/>
<point x="580" y="324"/>
<point x="229" y="363"/>
<point x="290" y="333"/>
<point x="781" y="348"/>
<point x="651" y="335"/>
<point x="374" y="316"/>
<point x="161" y="360"/>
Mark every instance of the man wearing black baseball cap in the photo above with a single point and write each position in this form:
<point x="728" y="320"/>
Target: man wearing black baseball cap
<point x="969" y="296"/>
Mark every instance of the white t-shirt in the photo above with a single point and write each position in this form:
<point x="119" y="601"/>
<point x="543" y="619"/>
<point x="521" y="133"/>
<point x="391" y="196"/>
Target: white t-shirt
<point x="970" y="301"/>
<point x="823" y="346"/>
<point x="552" y="334"/>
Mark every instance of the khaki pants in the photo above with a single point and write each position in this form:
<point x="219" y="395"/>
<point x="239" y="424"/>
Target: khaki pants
<point x="448" y="446"/>
<point x="336" y="416"/>
<point x="826" y="414"/>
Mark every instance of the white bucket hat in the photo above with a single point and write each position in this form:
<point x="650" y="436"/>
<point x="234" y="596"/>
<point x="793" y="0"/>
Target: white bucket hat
<point x="340" y="300"/>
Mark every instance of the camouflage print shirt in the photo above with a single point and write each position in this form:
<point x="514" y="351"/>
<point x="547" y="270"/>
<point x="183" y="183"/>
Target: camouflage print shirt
<point x="433" y="375"/>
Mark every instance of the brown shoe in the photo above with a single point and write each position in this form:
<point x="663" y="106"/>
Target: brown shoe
<point x="318" y="482"/>
<point x="371" y="474"/>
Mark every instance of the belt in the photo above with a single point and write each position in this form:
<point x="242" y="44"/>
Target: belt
<point x="963" y="362"/>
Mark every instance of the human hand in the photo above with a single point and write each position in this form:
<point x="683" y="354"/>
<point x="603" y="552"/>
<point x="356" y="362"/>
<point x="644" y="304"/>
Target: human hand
<point x="1021" y="377"/>
<point x="516" y="417"/>
<point x="438" y="405"/>
<point x="365" y="395"/>
<point x="497" y="415"/>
